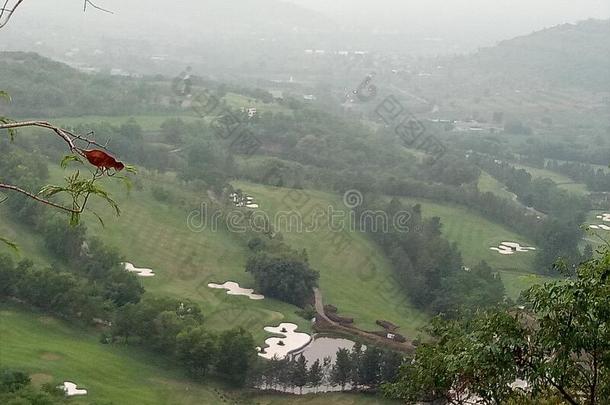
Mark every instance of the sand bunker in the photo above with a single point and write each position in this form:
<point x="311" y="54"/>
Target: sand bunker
<point x="604" y="217"/>
<point x="281" y="347"/>
<point x="234" y="289"/>
<point x="140" y="272"/>
<point x="510" y="248"/>
<point x="243" y="200"/>
<point x="600" y="227"/>
<point x="70" y="389"/>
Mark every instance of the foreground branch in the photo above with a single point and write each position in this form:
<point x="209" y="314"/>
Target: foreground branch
<point x="66" y="135"/>
<point x="6" y="12"/>
<point x="41" y="200"/>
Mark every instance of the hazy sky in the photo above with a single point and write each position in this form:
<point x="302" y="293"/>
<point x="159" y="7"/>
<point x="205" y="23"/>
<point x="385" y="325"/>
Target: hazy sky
<point x="496" y="19"/>
<point x="471" y="22"/>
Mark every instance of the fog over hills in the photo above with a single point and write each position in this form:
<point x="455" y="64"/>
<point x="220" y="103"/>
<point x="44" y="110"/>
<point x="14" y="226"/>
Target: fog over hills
<point x="221" y="36"/>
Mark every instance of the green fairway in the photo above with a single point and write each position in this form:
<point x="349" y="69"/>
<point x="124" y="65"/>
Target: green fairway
<point x="53" y="351"/>
<point x="355" y="276"/>
<point x="562" y="181"/>
<point x="475" y="235"/>
<point x="488" y="184"/>
<point x="156" y="235"/>
<point x="516" y="282"/>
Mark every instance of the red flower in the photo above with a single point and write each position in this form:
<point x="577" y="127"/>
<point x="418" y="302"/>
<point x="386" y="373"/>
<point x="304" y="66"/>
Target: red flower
<point x="101" y="159"/>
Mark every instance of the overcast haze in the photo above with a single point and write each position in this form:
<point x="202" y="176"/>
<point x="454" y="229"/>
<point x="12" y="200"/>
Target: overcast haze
<point x="476" y="22"/>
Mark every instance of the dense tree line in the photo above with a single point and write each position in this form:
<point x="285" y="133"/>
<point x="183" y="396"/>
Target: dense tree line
<point x="361" y="369"/>
<point x="560" y="233"/>
<point x="595" y="179"/>
<point x="556" y="350"/>
<point x="430" y="267"/>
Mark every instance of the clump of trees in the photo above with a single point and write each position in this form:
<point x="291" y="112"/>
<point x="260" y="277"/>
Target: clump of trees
<point x="281" y="272"/>
<point x="16" y="388"/>
<point x="175" y="328"/>
<point x="556" y="350"/>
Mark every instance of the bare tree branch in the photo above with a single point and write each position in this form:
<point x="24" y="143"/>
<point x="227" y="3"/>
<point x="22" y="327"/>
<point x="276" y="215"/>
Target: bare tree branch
<point x="90" y="3"/>
<point x="67" y="136"/>
<point x="7" y="11"/>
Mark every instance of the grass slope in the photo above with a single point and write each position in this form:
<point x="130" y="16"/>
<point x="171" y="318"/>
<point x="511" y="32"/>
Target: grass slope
<point x="354" y="274"/>
<point x="475" y="234"/>
<point x="156" y="235"/>
<point x="53" y="351"/>
<point x="488" y="184"/>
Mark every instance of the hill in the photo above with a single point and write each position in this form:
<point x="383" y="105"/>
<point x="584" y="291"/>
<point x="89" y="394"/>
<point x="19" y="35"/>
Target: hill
<point x="43" y="87"/>
<point x="569" y="55"/>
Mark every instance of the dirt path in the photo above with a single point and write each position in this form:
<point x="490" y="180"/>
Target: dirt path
<point x="325" y="323"/>
<point x="320" y="306"/>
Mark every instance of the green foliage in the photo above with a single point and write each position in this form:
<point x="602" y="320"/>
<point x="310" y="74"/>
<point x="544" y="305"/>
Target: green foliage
<point x="236" y="355"/>
<point x="79" y="190"/>
<point x="562" y="347"/>
<point x="285" y="276"/>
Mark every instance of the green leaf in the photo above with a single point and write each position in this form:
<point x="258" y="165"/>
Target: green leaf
<point x="131" y="169"/>
<point x="68" y="159"/>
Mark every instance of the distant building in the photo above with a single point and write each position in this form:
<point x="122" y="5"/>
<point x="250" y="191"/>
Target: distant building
<point x="251" y="111"/>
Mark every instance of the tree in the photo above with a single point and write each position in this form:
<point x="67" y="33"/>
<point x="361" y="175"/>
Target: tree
<point x="315" y="375"/>
<point x="197" y="349"/>
<point x="370" y="367"/>
<point x="561" y="348"/>
<point x="236" y="354"/>
<point x="299" y="373"/>
<point x="286" y="276"/>
<point x="342" y="369"/>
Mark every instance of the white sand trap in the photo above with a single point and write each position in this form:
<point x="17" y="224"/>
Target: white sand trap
<point x="234" y="289"/>
<point x="292" y="341"/>
<point x="70" y="389"/>
<point x="140" y="272"/>
<point x="604" y="217"/>
<point x="600" y="227"/>
<point x="510" y="248"/>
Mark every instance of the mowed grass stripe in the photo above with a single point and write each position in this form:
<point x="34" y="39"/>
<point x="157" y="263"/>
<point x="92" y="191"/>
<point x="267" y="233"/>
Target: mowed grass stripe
<point x="474" y="236"/>
<point x="355" y="276"/>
